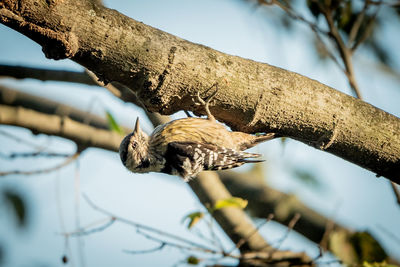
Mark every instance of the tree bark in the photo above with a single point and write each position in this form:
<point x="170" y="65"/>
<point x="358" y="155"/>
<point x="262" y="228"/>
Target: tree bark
<point x="166" y="72"/>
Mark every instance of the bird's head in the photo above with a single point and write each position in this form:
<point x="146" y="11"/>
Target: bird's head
<point x="134" y="148"/>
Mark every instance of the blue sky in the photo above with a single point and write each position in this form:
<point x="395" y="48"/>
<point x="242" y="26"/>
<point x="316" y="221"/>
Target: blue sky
<point x="354" y="196"/>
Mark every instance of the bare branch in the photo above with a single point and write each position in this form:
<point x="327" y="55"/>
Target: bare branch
<point x="395" y="192"/>
<point x="22" y="141"/>
<point x="24" y="72"/>
<point x="83" y="135"/>
<point x="179" y="246"/>
<point x="357" y="24"/>
<point x="145" y="227"/>
<point x="291" y="225"/>
<point x="34" y="154"/>
<point x="42" y="171"/>
<point x="88" y="231"/>
<point x="294" y="15"/>
<point x="344" y="51"/>
<point x="12" y="97"/>
<point x="367" y="31"/>
<point x="160" y="247"/>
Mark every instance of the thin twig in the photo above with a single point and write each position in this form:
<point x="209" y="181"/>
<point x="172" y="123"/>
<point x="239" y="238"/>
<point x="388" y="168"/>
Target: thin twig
<point x="21" y="141"/>
<point x="297" y="16"/>
<point x="366" y="31"/>
<point x="314" y="27"/>
<point x="160" y="247"/>
<point x="290" y="227"/>
<point x="213" y="240"/>
<point x="357" y="24"/>
<point x="214" y="236"/>
<point x="329" y="227"/>
<point x="396" y="192"/>
<point x="77" y="193"/>
<point x="344" y="51"/>
<point x="43" y="171"/>
<point x="176" y="245"/>
<point x="109" y="221"/>
<point x="144" y="227"/>
<point x="330" y="224"/>
<point x="15" y="155"/>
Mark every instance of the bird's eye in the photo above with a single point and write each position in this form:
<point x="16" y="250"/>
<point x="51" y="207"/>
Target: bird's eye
<point x="134" y="145"/>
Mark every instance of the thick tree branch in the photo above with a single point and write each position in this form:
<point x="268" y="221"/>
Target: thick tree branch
<point x="166" y="71"/>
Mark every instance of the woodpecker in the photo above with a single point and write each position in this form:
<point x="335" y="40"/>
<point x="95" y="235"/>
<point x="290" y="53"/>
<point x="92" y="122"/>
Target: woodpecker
<point x="188" y="146"/>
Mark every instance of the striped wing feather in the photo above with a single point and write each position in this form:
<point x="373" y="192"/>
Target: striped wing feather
<point x="189" y="158"/>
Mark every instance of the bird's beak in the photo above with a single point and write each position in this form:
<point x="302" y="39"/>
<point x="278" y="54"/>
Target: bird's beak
<point x="137" y="127"/>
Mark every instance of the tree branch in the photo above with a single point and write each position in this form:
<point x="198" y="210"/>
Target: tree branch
<point x="44" y="170"/>
<point x="83" y="135"/>
<point x="166" y="71"/>
<point x="11" y="97"/>
<point x="23" y="72"/>
<point x="344" y="51"/>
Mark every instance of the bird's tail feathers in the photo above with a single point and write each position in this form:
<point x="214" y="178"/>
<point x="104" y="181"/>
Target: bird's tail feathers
<point x="259" y="139"/>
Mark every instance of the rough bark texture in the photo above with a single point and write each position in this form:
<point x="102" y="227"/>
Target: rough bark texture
<point x="166" y="71"/>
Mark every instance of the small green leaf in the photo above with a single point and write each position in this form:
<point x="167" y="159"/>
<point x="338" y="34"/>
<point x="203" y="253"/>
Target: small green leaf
<point x="113" y="125"/>
<point x="235" y="202"/>
<point x="192" y="260"/>
<point x="194" y="218"/>
<point x="17" y="205"/>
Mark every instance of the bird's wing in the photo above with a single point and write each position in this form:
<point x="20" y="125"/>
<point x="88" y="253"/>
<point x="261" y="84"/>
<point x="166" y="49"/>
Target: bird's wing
<point x="187" y="159"/>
